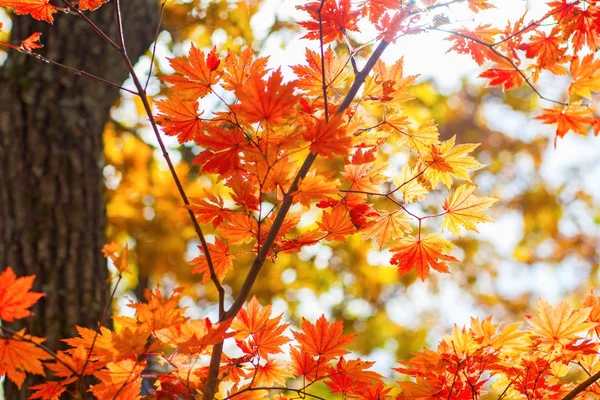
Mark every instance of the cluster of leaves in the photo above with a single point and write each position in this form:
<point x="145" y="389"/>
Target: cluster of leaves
<point x="562" y="42"/>
<point x="271" y="142"/>
<point x="537" y="362"/>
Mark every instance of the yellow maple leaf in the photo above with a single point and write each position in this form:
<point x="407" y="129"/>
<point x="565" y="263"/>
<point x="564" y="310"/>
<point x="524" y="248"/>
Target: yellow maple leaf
<point x="408" y="184"/>
<point x="561" y="324"/>
<point x="465" y="209"/>
<point x="447" y="161"/>
<point x="386" y="227"/>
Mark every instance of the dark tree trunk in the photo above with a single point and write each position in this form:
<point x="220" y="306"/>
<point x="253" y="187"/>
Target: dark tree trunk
<point x="52" y="211"/>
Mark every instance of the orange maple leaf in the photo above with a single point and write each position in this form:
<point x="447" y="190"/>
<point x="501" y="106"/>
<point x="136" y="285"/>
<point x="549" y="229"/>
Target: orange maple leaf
<point x="546" y="48"/>
<point x="311" y="74"/>
<point x="336" y="17"/>
<point x="376" y="8"/>
<point x="337" y="224"/>
<point x="315" y="187"/>
<point x="264" y="334"/>
<point x="120" y="380"/>
<point x="20" y="355"/>
<point x="222" y="261"/>
<point x="388" y="226"/>
<point x="585" y="75"/>
<point x="32" y="42"/>
<point x="329" y="138"/>
<point x="39" y="9"/>
<point x="478" y="5"/>
<point x="484" y="35"/>
<point x="422" y="253"/>
<point x="223" y="147"/>
<point x="239" y="228"/>
<point x="47" y="391"/>
<point x="180" y="118"/>
<point x="323" y="340"/>
<point x="194" y="337"/>
<point x="91" y="4"/>
<point x="239" y="68"/>
<point x="271" y="101"/>
<point x="195" y="75"/>
<point x="160" y="312"/>
<point x="209" y="209"/>
<point x="572" y="118"/>
<point x="15" y="296"/>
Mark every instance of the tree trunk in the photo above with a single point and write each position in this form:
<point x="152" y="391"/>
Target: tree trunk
<point x="52" y="211"/>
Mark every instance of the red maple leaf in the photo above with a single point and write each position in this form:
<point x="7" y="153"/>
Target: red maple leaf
<point x="39" y="9"/>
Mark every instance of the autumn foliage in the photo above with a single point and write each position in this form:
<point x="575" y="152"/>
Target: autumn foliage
<point x="300" y="156"/>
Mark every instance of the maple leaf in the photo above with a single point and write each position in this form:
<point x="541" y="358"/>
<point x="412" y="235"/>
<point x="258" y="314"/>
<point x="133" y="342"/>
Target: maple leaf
<point x="240" y="228"/>
<point x="546" y="48"/>
<point x="32" y="42"/>
<point x="119" y="380"/>
<point x="159" y="312"/>
<point x="336" y="17"/>
<point x="583" y="25"/>
<point x="194" y="337"/>
<point x="209" y="209"/>
<point x="422" y="138"/>
<point x="408" y="185"/>
<point x="355" y="369"/>
<point x="572" y="118"/>
<point x="223" y="147"/>
<point x="222" y="261"/>
<point x="465" y="209"/>
<point x="311" y="75"/>
<point x="195" y="75"/>
<point x="120" y="262"/>
<point x="447" y="160"/>
<point x="376" y="8"/>
<point x="91" y="5"/>
<point x="585" y="76"/>
<point x="272" y="372"/>
<point x="507" y="78"/>
<point x="264" y="334"/>
<point x="478" y="5"/>
<point x="337" y="224"/>
<point x="314" y="188"/>
<point x="41" y="10"/>
<point x="270" y="102"/>
<point x="483" y="35"/>
<point x="47" y="391"/>
<point x="387" y="85"/>
<point x="561" y="324"/>
<point x="15" y="296"/>
<point x="365" y="177"/>
<point x="421" y="254"/>
<point x="388" y="226"/>
<point x="20" y="355"/>
<point x="76" y="361"/>
<point x="239" y="68"/>
<point x="323" y="340"/>
<point x="329" y="138"/>
<point x="179" y="117"/>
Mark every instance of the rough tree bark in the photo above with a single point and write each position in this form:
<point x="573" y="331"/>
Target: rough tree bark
<point x="52" y="211"/>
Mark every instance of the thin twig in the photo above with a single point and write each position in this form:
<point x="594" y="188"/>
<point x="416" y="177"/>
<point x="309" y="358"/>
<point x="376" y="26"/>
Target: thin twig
<point x="158" y="24"/>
